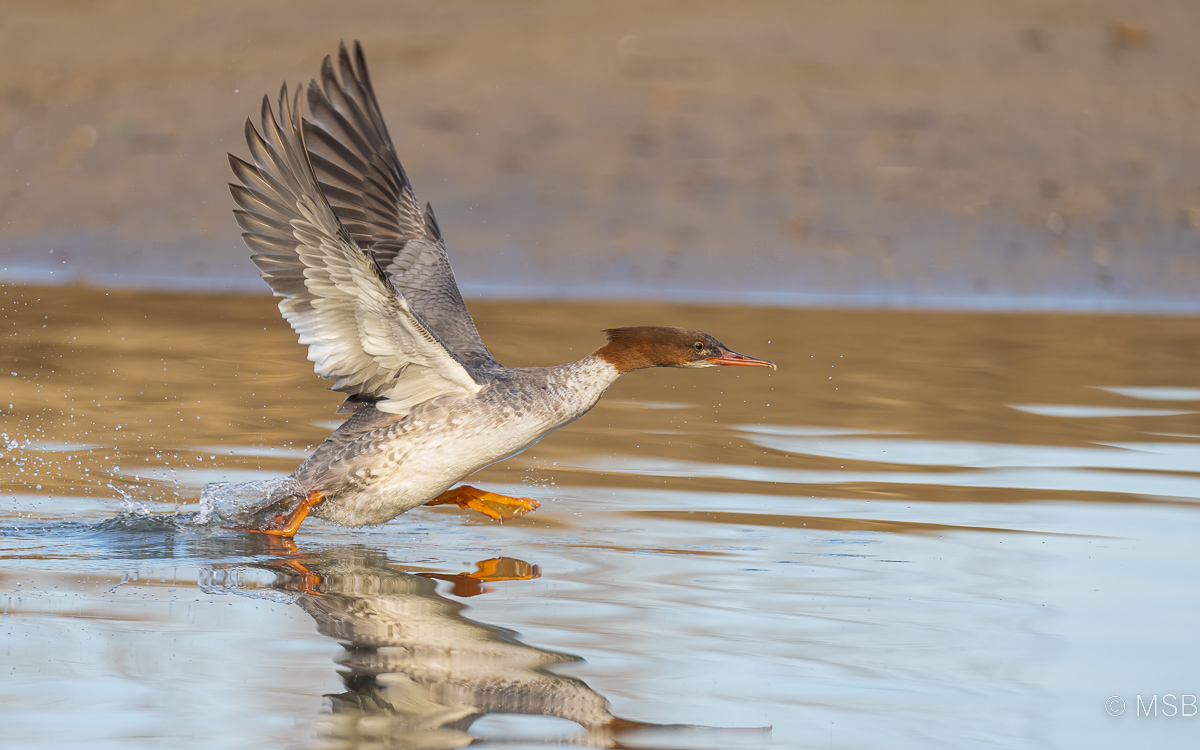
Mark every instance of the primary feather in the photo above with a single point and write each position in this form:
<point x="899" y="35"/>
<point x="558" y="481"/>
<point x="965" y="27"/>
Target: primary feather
<point x="360" y="330"/>
<point x="361" y="176"/>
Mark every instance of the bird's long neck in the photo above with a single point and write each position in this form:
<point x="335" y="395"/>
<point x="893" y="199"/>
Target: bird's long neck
<point x="577" y="386"/>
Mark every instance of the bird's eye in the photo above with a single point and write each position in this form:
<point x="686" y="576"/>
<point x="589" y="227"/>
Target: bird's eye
<point x="699" y="346"/>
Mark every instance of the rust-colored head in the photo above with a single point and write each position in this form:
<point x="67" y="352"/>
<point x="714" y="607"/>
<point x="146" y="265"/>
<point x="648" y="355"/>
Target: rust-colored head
<point x="658" y="346"/>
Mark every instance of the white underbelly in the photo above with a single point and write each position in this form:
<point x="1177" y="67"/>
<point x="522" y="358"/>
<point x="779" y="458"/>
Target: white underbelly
<point x="406" y="475"/>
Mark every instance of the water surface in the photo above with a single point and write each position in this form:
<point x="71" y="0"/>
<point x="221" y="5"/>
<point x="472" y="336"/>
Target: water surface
<point x="924" y="530"/>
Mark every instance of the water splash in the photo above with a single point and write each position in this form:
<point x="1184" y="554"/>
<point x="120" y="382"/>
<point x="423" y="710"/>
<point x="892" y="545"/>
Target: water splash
<point x="248" y="503"/>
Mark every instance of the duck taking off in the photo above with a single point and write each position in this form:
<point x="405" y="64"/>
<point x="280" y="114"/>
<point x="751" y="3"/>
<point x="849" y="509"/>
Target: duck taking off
<point x="362" y="275"/>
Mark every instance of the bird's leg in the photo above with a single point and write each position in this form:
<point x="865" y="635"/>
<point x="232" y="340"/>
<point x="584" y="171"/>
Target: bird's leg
<point x="285" y="524"/>
<point x="495" y="506"/>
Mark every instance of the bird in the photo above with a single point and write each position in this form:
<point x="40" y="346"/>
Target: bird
<point x="363" y="277"/>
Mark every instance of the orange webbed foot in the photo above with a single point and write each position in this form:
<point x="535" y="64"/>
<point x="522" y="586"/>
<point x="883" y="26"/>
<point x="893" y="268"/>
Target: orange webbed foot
<point x="286" y="524"/>
<point x="491" y="504"/>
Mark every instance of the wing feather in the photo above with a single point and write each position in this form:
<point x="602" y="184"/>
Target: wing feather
<point x="367" y="188"/>
<point x="360" y="331"/>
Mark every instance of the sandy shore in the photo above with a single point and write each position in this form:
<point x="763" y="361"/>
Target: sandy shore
<point x="929" y="150"/>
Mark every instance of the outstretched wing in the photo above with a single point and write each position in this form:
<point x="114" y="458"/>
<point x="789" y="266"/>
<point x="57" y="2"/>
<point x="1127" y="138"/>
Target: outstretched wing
<point x="359" y="173"/>
<point x="358" y="329"/>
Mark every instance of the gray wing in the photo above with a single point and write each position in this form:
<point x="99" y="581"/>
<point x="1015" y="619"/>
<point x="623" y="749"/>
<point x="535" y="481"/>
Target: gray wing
<point x="358" y="329"/>
<point x="359" y="173"/>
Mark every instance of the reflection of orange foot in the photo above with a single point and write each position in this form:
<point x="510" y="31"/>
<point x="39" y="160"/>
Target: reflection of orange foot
<point x="309" y="581"/>
<point x="495" y="569"/>
<point x="495" y="506"/>
<point x="285" y="524"/>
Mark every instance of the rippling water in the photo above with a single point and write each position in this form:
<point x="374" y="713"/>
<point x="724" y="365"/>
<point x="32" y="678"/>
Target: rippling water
<point x="924" y="530"/>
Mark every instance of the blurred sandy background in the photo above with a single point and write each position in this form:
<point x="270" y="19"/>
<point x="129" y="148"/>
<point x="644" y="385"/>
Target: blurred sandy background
<point x="1009" y="153"/>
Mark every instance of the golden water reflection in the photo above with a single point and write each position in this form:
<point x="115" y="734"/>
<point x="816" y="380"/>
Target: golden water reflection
<point x="157" y="394"/>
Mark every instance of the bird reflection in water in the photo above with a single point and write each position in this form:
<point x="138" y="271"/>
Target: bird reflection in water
<point x="417" y="672"/>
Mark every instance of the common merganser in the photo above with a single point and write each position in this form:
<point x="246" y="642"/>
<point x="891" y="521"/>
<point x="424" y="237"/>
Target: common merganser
<point x="333" y="225"/>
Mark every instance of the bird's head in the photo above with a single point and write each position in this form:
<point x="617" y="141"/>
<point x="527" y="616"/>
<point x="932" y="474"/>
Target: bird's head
<point x="659" y="346"/>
